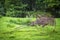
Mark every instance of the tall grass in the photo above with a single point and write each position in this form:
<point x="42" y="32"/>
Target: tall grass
<point x="17" y="29"/>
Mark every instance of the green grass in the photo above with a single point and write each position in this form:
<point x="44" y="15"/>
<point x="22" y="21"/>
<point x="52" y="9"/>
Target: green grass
<point x="17" y="29"/>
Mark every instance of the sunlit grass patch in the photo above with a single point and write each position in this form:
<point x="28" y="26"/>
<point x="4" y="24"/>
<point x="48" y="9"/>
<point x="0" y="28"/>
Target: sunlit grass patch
<point x="17" y="29"/>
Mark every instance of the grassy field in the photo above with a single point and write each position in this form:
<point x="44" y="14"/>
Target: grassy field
<point x="17" y="29"/>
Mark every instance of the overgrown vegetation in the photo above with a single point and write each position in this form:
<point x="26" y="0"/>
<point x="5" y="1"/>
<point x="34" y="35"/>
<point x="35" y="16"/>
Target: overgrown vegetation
<point x="14" y="29"/>
<point x="16" y="16"/>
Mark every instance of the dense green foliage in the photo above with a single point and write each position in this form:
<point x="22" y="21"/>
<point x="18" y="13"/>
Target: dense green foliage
<point x="15" y="29"/>
<point x="23" y="8"/>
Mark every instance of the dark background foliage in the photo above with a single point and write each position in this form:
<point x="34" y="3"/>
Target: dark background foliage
<point x="23" y="8"/>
